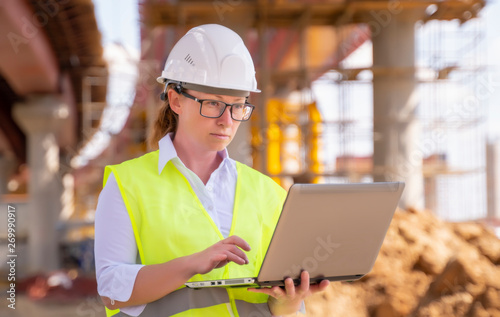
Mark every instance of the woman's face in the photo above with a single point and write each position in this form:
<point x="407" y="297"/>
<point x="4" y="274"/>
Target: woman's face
<point x="210" y="134"/>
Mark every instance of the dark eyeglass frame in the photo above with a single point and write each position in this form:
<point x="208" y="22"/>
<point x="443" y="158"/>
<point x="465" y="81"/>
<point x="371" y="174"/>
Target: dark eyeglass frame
<point x="185" y="94"/>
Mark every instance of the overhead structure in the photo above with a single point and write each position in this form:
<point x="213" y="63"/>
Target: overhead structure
<point x="286" y="14"/>
<point x="278" y="25"/>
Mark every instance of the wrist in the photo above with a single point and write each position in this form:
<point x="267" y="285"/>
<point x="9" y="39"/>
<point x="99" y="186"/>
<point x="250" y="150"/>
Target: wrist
<point x="189" y="263"/>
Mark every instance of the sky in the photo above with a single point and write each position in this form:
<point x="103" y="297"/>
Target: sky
<point x="118" y="21"/>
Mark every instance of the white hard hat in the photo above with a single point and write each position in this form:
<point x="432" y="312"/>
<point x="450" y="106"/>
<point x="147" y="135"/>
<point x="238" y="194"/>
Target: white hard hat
<point x="211" y="58"/>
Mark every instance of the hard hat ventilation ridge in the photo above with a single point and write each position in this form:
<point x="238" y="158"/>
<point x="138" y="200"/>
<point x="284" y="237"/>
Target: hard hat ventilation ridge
<point x="189" y="59"/>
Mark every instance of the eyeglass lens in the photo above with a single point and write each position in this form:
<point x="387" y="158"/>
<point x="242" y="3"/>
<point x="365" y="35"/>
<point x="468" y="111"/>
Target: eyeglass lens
<point x="214" y="109"/>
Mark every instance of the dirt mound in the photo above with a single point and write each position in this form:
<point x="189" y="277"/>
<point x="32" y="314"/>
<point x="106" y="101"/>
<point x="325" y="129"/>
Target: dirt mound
<point x="426" y="267"/>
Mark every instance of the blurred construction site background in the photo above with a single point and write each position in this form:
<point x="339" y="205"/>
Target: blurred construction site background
<point x="352" y="91"/>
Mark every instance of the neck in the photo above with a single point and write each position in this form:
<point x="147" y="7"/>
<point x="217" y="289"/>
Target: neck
<point x="202" y="163"/>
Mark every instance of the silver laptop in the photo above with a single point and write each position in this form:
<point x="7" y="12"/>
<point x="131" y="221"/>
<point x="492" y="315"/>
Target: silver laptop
<point x="334" y="231"/>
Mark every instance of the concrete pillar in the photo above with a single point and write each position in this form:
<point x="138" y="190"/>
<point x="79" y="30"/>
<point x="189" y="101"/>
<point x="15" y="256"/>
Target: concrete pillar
<point x="431" y="193"/>
<point x="6" y="170"/>
<point x="3" y="175"/>
<point x="40" y="117"/>
<point x="264" y="84"/>
<point x="152" y="101"/>
<point x="493" y="179"/>
<point x="395" y="126"/>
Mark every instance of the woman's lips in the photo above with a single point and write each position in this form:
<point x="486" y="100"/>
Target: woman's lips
<point x="220" y="136"/>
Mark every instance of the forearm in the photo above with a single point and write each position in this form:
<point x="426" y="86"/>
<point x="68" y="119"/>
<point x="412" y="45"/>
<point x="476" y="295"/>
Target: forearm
<point x="155" y="281"/>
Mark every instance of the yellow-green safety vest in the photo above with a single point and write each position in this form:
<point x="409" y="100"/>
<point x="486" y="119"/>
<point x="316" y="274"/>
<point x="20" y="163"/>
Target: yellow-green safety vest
<point x="159" y="205"/>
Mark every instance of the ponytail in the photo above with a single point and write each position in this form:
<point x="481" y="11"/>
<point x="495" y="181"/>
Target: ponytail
<point x="166" y="122"/>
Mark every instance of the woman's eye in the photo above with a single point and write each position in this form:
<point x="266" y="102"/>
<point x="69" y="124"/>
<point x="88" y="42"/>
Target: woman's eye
<point x="213" y="103"/>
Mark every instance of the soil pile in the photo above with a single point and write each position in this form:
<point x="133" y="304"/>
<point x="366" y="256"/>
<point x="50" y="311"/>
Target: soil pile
<point x="426" y="267"/>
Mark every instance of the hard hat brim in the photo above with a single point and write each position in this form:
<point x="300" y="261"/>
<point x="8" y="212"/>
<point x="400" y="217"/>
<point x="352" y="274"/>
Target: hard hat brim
<point x="209" y="89"/>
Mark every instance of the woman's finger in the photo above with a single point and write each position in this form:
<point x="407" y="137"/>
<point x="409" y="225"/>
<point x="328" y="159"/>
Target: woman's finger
<point x="319" y="287"/>
<point x="237" y="251"/>
<point x="235" y="258"/>
<point x="274" y="291"/>
<point x="304" y="282"/>
<point x="289" y="287"/>
<point x="238" y="242"/>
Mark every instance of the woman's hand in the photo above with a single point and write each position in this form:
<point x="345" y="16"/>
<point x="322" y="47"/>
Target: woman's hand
<point x="219" y="254"/>
<point x="288" y="301"/>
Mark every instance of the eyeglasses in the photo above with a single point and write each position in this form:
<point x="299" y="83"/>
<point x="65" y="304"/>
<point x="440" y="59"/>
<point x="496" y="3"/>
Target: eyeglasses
<point x="214" y="108"/>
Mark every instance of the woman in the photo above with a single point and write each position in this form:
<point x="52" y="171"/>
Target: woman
<point x="187" y="212"/>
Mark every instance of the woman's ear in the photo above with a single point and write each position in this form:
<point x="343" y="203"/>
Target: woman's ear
<point x="173" y="99"/>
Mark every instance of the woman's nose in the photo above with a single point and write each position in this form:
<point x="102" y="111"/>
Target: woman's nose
<point x="226" y="116"/>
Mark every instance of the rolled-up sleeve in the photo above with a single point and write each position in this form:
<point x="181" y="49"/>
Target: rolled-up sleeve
<point x="115" y="248"/>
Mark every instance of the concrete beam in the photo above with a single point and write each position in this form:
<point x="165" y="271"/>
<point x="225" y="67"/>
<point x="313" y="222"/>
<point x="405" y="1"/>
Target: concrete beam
<point x="27" y="60"/>
<point x="286" y="13"/>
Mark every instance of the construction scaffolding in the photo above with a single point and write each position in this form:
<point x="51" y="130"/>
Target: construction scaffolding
<point x="453" y="94"/>
<point x="348" y="112"/>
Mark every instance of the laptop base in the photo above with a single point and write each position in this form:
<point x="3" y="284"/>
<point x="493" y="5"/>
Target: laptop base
<point x="252" y="282"/>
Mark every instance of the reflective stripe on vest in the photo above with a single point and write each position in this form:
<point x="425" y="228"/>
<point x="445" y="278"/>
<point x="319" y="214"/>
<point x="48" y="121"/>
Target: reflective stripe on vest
<point x="185" y="299"/>
<point x="188" y="299"/>
<point x="246" y="309"/>
<point x="160" y="204"/>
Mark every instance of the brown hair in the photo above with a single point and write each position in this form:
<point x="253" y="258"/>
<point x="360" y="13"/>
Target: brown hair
<point x="166" y="122"/>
